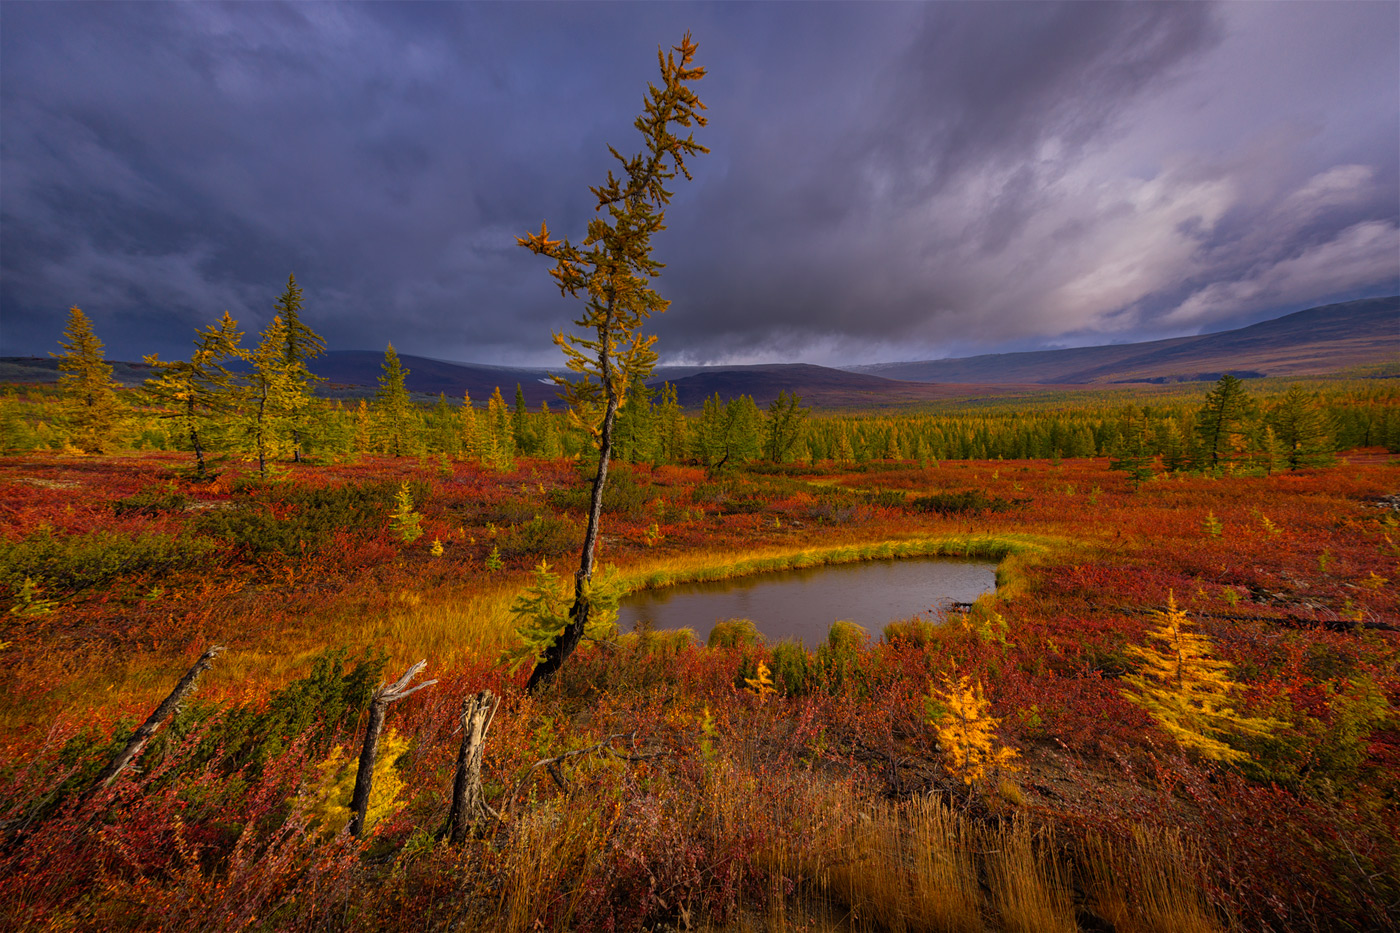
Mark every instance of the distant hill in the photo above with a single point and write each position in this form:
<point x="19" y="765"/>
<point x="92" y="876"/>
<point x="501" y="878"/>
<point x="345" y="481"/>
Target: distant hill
<point x="1318" y="341"/>
<point x="1314" y="342"/>
<point x="362" y="368"/>
<point x="817" y="385"/>
<point x="39" y="369"/>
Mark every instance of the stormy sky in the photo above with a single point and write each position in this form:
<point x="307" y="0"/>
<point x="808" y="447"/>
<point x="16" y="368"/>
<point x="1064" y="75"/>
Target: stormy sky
<point x="885" y="182"/>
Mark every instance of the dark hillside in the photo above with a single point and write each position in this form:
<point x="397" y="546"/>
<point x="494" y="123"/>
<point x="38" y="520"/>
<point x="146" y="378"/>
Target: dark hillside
<point x="1314" y="342"/>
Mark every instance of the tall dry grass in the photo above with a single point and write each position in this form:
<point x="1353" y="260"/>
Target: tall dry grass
<point x="1029" y="882"/>
<point x="1145" y="883"/>
<point x="552" y="850"/>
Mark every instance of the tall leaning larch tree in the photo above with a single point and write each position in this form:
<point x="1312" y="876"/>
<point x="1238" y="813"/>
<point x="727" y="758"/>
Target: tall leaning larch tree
<point x="612" y="271"/>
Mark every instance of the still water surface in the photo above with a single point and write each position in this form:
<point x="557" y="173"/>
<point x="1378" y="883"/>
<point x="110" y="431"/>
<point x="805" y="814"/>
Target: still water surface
<point x="803" y="603"/>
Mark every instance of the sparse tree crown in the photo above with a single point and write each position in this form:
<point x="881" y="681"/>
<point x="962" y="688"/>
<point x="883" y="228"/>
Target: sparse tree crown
<point x="612" y="272"/>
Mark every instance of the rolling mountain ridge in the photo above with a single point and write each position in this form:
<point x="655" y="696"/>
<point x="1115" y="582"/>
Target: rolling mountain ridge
<point x="1314" y="342"/>
<point x="1317" y="341"/>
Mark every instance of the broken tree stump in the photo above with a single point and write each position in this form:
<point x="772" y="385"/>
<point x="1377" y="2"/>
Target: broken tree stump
<point x="378" y="706"/>
<point x="469" y="807"/>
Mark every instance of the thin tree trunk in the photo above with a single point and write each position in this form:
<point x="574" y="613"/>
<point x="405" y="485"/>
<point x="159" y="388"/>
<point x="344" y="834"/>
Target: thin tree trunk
<point x="262" y="439"/>
<point x="556" y="654"/>
<point x="469" y="807"/>
<point x="153" y="722"/>
<point x="378" y="706"/>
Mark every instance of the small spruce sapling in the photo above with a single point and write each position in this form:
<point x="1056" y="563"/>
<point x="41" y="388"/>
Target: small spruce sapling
<point x="405" y="522"/>
<point x="762" y="682"/>
<point x="542" y="610"/>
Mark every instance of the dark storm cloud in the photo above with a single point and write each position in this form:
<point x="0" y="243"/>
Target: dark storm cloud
<point x="885" y="181"/>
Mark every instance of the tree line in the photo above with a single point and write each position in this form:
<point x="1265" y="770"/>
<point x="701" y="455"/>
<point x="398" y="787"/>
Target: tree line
<point x="259" y="404"/>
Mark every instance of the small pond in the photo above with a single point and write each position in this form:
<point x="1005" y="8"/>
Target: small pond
<point x="803" y="603"/>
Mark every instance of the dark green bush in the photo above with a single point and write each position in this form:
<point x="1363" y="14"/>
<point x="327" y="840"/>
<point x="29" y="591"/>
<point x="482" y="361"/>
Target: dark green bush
<point x="542" y="536"/>
<point x="790" y="668"/>
<point x="739" y="497"/>
<point x="621" y="494"/>
<point x="502" y="512"/>
<point x="161" y="497"/>
<point x="311" y="516"/>
<point x="320" y="708"/>
<point x="78" y="562"/>
<point x="734" y="633"/>
<point x="838" y="662"/>
<point x="970" y="500"/>
<point x="316" y="708"/>
<point x="913" y="633"/>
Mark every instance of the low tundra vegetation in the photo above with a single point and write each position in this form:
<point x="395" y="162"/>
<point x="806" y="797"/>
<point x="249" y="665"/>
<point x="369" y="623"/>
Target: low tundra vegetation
<point x="1153" y="726"/>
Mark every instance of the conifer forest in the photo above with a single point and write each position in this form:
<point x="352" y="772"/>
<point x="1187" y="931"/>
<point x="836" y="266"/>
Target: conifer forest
<point x="274" y="659"/>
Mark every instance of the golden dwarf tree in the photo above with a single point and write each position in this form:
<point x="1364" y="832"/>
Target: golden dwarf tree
<point x="86" y="383"/>
<point x="967" y="731"/>
<point x="274" y="394"/>
<point x="1186" y="689"/>
<point x="198" y="393"/>
<point x="302" y="344"/>
<point x="612" y="271"/>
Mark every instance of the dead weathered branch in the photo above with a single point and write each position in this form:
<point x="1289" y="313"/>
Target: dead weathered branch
<point x="378" y="706"/>
<point x="154" y="721"/>
<point x="603" y="747"/>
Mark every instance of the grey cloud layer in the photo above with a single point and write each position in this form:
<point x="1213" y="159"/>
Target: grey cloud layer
<point x="885" y="181"/>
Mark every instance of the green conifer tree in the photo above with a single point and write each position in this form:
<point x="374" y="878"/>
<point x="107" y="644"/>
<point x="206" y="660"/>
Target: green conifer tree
<point x="1302" y="430"/>
<point x="85" y="381"/>
<point x="844" y="454"/>
<point x="672" y="430"/>
<point x="469" y="430"/>
<point x="1221" y="424"/>
<point x="502" y="439"/>
<point x="521" y="440"/>
<point x="893" y="449"/>
<point x="199" y="393"/>
<point x="393" y="406"/>
<point x="303" y="344"/>
<point x="442" y="434"/>
<point x="634" y="437"/>
<point x="786" y="427"/>
<point x="550" y="446"/>
<point x="1134" y="455"/>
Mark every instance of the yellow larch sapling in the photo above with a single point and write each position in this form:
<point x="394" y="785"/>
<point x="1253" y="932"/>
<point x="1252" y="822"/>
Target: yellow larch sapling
<point x="328" y="799"/>
<point x="1186" y="689"/>
<point x="762" y="682"/>
<point x="967" y="732"/>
